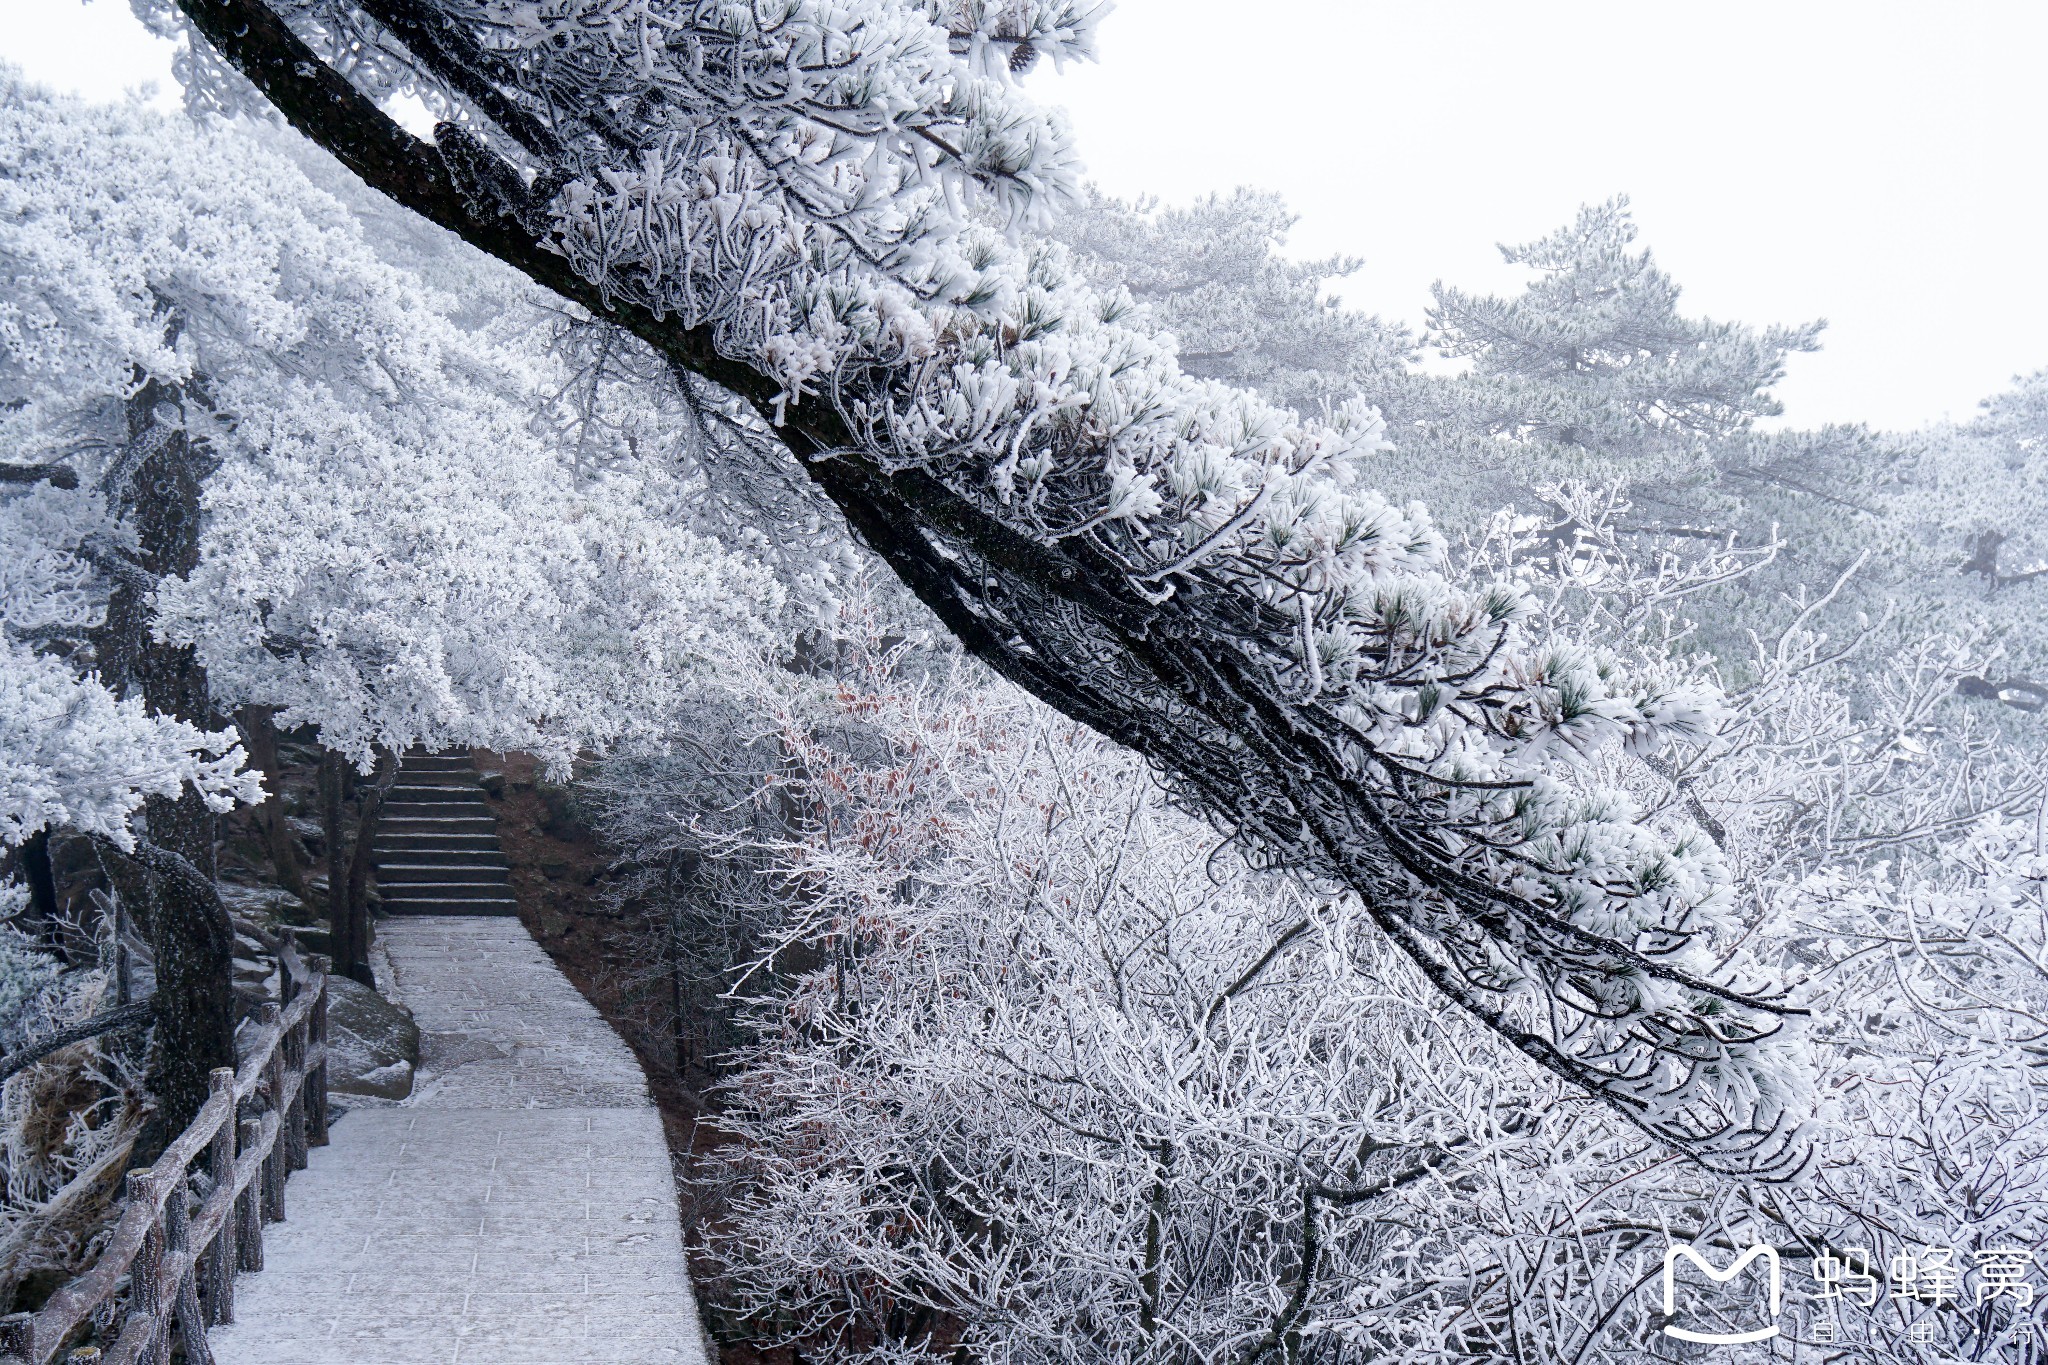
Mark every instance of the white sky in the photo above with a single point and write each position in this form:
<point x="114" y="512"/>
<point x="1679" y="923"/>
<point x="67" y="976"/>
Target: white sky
<point x="1877" y="164"/>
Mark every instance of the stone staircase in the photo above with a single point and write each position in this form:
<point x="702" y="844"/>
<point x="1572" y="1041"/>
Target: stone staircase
<point x="437" y="849"/>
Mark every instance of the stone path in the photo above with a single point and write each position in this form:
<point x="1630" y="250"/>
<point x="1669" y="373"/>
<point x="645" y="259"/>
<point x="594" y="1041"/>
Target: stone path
<point x="518" y="1209"/>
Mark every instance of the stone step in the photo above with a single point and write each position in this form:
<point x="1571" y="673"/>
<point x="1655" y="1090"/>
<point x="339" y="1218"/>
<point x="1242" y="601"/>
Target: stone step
<point x="459" y="848"/>
<point x="436" y="810"/>
<point x="455" y="850"/>
<point x="443" y="873"/>
<point x="453" y="775"/>
<point x="436" y="777"/>
<point x="435" y="796"/>
<point x="436" y="762"/>
<point x="418" y="813"/>
<point x="437" y="850"/>
<point x="410" y="904"/>
<point x="440" y="850"/>
<point x="446" y="896"/>
<point x="449" y="835"/>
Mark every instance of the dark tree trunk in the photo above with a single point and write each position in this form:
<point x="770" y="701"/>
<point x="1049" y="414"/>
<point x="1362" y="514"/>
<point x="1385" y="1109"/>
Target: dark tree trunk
<point x="352" y="951"/>
<point x="337" y="856"/>
<point x="675" y="991"/>
<point x="43" y="923"/>
<point x="259" y="736"/>
<point x="156" y="486"/>
<point x="194" y="944"/>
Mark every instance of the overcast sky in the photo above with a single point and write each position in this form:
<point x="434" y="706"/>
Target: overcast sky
<point x="1879" y="165"/>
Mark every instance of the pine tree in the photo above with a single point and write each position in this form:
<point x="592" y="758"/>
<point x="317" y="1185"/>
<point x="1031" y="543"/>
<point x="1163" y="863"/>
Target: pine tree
<point x="1184" y="568"/>
<point x="312" y="492"/>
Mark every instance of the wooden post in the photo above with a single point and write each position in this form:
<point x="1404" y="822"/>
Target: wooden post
<point x="267" y="1016"/>
<point x="145" y="1274"/>
<point x="316" y="1079"/>
<point x="331" y="779"/>
<point x="287" y="984"/>
<point x="271" y="1178"/>
<point x="220" y="1165"/>
<point x="249" y="1207"/>
<point x="293" y="1134"/>
<point x="185" y="1298"/>
<point x="18" y="1339"/>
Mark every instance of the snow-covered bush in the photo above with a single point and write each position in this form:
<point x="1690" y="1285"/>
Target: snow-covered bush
<point x="68" y="1121"/>
<point x="1032" y="1061"/>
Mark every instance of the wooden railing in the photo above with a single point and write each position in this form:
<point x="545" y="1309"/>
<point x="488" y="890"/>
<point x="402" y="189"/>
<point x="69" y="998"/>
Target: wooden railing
<point x="176" y="1265"/>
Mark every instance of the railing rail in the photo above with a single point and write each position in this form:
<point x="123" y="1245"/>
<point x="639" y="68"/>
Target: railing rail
<point x="178" y="1264"/>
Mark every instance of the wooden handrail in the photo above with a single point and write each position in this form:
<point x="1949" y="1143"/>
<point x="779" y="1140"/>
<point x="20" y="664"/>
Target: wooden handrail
<point x="177" y="1264"/>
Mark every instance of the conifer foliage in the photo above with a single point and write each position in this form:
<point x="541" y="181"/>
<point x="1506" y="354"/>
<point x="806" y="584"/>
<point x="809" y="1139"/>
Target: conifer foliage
<point x="778" y="200"/>
<point x="274" y="470"/>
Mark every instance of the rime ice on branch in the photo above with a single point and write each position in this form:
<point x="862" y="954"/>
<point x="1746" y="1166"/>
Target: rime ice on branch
<point x="777" y="198"/>
<point x="393" y="548"/>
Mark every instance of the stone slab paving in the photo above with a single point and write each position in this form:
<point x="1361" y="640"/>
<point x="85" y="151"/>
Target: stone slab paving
<point x="518" y="1209"/>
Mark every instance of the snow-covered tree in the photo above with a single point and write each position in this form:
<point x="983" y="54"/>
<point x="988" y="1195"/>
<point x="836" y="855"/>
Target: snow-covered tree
<point x="309" y="490"/>
<point x="391" y="550"/>
<point x="1028" y="1060"/>
<point x="1214" y="275"/>
<point x="1590" y="373"/>
<point x="1968" y="506"/>
<point x="72" y="753"/>
<point x="774" y="203"/>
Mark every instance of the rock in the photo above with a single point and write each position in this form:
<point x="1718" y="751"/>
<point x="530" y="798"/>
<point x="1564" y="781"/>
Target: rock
<point x="257" y="907"/>
<point x="372" y="1044"/>
<point x="312" y="939"/>
<point x="562" y="817"/>
<point x="392" y="1082"/>
<point x="492" y="783"/>
<point x="313" y="836"/>
<point x="554" y="872"/>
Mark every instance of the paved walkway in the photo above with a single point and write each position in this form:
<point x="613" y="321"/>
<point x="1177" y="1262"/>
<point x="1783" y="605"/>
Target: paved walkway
<point x="517" y="1210"/>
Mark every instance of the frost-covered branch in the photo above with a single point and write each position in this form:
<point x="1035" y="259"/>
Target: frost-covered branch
<point x="74" y="755"/>
<point x="1037" y="469"/>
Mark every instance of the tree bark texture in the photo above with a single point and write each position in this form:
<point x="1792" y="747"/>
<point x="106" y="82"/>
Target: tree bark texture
<point x="259" y="737"/>
<point x="352" y="948"/>
<point x="42" y="924"/>
<point x="332" y="780"/>
<point x="155" y="486"/>
<point x="193" y="941"/>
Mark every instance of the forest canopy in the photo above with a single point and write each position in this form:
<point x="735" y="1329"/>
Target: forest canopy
<point x="1185" y="832"/>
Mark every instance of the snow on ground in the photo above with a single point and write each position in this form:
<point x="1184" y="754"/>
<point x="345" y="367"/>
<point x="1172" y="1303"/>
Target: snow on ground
<point x="518" y="1210"/>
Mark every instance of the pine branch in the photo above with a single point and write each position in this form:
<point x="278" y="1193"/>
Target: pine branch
<point x="1193" y="673"/>
<point x="59" y="475"/>
<point x="29" y="1053"/>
